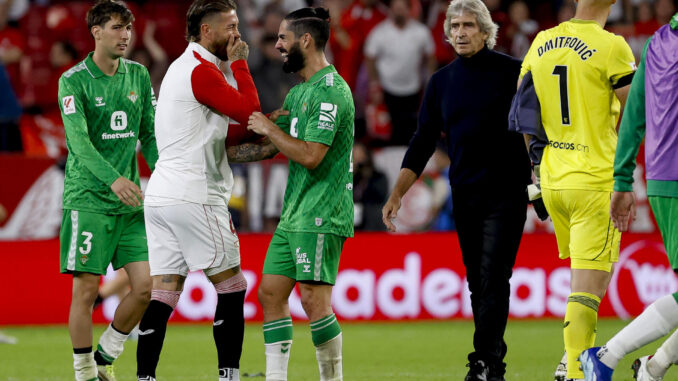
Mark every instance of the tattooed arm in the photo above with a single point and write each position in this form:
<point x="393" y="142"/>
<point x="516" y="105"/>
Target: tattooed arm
<point x="251" y="152"/>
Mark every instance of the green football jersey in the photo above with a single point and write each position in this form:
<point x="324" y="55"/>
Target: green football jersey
<point x="103" y="118"/>
<point x="320" y="200"/>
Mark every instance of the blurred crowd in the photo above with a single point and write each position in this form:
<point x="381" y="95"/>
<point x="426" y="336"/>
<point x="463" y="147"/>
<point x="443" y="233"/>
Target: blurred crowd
<point x="386" y="51"/>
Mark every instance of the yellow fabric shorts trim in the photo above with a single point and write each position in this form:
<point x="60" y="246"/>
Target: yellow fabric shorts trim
<point x="584" y="230"/>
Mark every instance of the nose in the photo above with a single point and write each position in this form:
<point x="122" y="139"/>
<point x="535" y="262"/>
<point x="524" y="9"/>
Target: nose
<point x="278" y="44"/>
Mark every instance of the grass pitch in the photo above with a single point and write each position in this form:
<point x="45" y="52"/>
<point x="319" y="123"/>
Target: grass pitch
<point x="433" y="350"/>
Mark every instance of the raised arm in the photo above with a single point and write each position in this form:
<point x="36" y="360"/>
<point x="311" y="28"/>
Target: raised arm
<point x="210" y="87"/>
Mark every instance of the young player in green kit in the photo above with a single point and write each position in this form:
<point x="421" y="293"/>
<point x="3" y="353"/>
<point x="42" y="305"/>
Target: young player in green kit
<point x="315" y="131"/>
<point x="107" y="105"/>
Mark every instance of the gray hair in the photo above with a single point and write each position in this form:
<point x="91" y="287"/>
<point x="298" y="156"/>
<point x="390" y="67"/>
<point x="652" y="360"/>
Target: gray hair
<point x="478" y="9"/>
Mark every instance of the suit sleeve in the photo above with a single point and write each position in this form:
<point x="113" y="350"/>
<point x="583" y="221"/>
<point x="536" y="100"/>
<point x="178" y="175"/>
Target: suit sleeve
<point x="424" y="141"/>
<point x="149" y="147"/>
<point x="210" y="88"/>
<point x="631" y="130"/>
<point x="71" y="103"/>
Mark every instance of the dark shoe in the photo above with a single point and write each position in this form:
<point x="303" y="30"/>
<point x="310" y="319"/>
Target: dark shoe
<point x="496" y="372"/>
<point x="478" y="371"/>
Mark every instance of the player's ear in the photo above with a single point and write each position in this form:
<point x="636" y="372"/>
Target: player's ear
<point x="205" y="30"/>
<point x="307" y="40"/>
<point x="96" y="32"/>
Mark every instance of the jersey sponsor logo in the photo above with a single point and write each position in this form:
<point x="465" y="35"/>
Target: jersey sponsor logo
<point x="569" y="146"/>
<point x="574" y="43"/>
<point x="132" y="97"/>
<point x="328" y="115"/>
<point x="100" y="102"/>
<point x="118" y="121"/>
<point x="302" y="259"/>
<point x="69" y="104"/>
<point x="118" y="135"/>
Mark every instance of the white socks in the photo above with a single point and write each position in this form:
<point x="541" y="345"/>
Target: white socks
<point x="329" y="359"/>
<point x="85" y="366"/>
<point x="112" y="342"/>
<point x="277" y="358"/>
<point x="666" y="355"/>
<point x="655" y="322"/>
<point x="229" y="374"/>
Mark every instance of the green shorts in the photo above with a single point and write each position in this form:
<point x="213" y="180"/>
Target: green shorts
<point x="304" y="256"/>
<point x="665" y="210"/>
<point x="90" y="241"/>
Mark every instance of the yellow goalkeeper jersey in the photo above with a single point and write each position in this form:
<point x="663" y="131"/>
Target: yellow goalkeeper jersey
<point x="575" y="67"/>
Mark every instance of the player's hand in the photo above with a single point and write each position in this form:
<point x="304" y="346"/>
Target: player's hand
<point x="259" y="123"/>
<point x="622" y="209"/>
<point x="237" y="49"/>
<point x="277" y="114"/>
<point x="390" y="211"/>
<point x="127" y="191"/>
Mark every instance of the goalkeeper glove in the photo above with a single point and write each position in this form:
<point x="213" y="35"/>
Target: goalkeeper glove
<point x="534" y="195"/>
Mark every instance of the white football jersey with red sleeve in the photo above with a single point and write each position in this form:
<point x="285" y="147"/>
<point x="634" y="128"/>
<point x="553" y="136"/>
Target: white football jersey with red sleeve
<point x="195" y="105"/>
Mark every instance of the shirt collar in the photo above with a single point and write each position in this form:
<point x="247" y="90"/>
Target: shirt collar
<point x="204" y="53"/>
<point x="478" y="57"/>
<point x="321" y="73"/>
<point x="96" y="72"/>
<point x="580" y="21"/>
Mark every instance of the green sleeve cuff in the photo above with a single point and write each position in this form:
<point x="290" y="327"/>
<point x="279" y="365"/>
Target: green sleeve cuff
<point x="623" y="185"/>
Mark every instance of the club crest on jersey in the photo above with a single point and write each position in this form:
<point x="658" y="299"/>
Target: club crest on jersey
<point x="84" y="259"/>
<point x="318" y="221"/>
<point x="100" y="101"/>
<point x="133" y="97"/>
<point x="69" y="104"/>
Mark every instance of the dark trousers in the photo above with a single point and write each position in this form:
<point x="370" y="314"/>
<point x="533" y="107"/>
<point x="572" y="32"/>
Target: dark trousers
<point x="403" y="111"/>
<point x="489" y="226"/>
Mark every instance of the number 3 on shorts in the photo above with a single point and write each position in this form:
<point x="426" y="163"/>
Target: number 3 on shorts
<point x="87" y="243"/>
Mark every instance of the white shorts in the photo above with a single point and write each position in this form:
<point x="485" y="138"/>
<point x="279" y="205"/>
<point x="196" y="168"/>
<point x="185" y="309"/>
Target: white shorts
<point x="189" y="237"/>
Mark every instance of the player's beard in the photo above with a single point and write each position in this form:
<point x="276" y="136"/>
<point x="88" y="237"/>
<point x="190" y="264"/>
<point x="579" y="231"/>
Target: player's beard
<point x="295" y="59"/>
<point x="220" y="49"/>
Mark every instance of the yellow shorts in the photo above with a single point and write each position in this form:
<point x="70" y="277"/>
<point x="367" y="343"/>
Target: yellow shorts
<point x="584" y="230"/>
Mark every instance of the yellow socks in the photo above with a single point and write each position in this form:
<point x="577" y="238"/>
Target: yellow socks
<point x="579" y="330"/>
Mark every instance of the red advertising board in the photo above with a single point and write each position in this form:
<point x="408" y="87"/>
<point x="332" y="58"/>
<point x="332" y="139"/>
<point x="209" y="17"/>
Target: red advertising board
<point x="381" y="277"/>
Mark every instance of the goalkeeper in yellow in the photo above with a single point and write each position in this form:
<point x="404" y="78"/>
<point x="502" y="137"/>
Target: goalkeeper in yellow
<point x="581" y="77"/>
